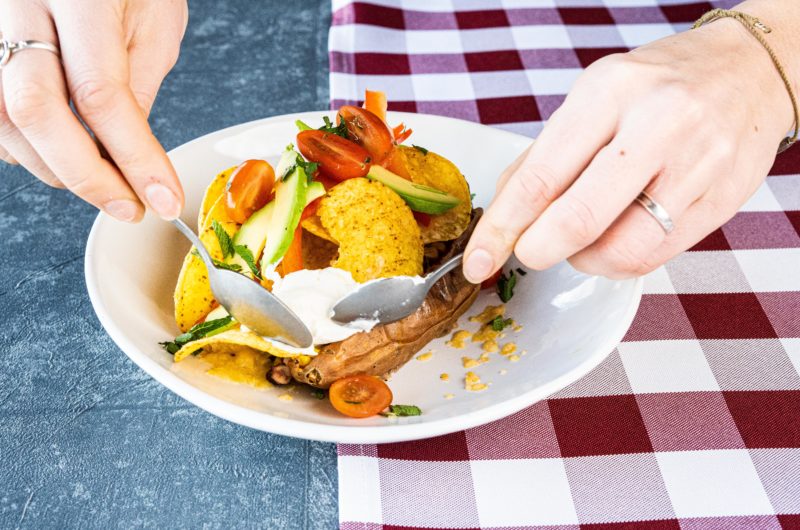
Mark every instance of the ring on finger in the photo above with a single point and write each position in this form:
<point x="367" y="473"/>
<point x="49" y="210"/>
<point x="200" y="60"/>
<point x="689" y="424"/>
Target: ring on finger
<point x="8" y="48"/>
<point x="658" y="212"/>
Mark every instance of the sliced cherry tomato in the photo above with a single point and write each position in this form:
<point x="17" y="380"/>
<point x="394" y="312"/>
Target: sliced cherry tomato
<point x="375" y="101"/>
<point x="491" y="281"/>
<point x="367" y="130"/>
<point x="423" y="219"/>
<point x="310" y="209"/>
<point x="293" y="259"/>
<point x="249" y="189"/>
<point x="338" y="157"/>
<point x="360" y="396"/>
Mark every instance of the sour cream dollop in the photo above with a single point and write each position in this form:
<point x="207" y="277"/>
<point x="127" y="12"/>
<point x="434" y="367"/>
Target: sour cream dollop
<point x="311" y="294"/>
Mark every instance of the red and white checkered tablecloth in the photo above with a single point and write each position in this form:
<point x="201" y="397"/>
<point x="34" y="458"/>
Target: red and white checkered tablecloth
<point x="694" y="420"/>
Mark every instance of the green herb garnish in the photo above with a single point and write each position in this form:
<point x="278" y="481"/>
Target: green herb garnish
<point x="318" y="394"/>
<point x="247" y="257"/>
<point x="235" y="267"/>
<point x="198" y="331"/>
<point x="499" y="323"/>
<point x="303" y="126"/>
<point x="225" y="242"/>
<point x="402" y="410"/>
<point x="522" y="272"/>
<point x="420" y="149"/>
<point x="308" y="167"/>
<point x="471" y="197"/>
<point x="505" y="286"/>
<point x="329" y="127"/>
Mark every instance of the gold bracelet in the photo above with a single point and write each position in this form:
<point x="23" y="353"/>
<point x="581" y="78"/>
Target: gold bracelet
<point x="757" y="29"/>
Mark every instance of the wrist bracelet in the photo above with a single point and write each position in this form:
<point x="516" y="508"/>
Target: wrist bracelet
<point x="758" y="29"/>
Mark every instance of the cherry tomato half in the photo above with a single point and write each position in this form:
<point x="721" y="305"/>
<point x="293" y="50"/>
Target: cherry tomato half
<point x="249" y="189"/>
<point x="360" y="396"/>
<point x="338" y="157"/>
<point x="367" y="130"/>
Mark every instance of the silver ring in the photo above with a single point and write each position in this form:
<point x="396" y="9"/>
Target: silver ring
<point x="658" y="212"/>
<point x="8" y="48"/>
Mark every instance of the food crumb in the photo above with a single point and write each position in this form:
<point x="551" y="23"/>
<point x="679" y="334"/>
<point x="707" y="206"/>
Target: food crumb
<point x="425" y="356"/>
<point x="444" y="377"/>
<point x="485" y="333"/>
<point x="473" y="383"/>
<point x="458" y="338"/>
<point x="484" y="358"/>
<point x="489" y="313"/>
<point x="517" y="328"/>
<point x="468" y="362"/>
<point x="513" y="358"/>
<point x="449" y="396"/>
<point x="508" y="348"/>
<point x="285" y="397"/>
<point x="490" y="346"/>
<point x="503" y="371"/>
<point x="524" y="352"/>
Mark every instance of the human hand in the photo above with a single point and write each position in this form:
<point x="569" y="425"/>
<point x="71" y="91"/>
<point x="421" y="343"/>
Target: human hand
<point x="115" y="53"/>
<point x="694" y="120"/>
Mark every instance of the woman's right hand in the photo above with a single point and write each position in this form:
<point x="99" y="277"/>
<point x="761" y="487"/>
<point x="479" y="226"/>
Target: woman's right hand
<point x="114" y="55"/>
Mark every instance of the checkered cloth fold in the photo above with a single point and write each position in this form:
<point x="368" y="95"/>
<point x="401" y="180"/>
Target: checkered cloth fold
<point x="694" y="420"/>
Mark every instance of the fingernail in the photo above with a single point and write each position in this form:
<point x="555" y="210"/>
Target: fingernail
<point x="122" y="209"/>
<point x="162" y="201"/>
<point x="478" y="265"/>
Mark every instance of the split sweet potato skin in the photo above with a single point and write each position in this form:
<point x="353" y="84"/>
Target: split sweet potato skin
<point x="389" y="346"/>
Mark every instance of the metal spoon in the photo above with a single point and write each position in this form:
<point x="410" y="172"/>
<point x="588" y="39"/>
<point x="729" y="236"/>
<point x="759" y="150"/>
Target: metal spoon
<point x="248" y="302"/>
<point x="389" y="299"/>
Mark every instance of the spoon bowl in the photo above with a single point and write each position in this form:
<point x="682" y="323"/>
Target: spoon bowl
<point x="248" y="302"/>
<point x="390" y="299"/>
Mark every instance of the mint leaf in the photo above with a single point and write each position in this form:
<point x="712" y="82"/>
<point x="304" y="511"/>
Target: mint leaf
<point x="235" y="267"/>
<point x="198" y="331"/>
<point x="402" y="410"/>
<point x="420" y="149"/>
<point x="505" y="286"/>
<point x="225" y="242"/>
<point x="303" y="126"/>
<point x="309" y="167"/>
<point x="247" y="257"/>
<point x="499" y="324"/>
<point x="329" y="127"/>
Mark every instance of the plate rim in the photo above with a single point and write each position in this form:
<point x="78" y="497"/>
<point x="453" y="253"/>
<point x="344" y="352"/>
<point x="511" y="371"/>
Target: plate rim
<point x="350" y="434"/>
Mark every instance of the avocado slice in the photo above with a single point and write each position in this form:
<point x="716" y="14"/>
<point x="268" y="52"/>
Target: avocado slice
<point x="253" y="233"/>
<point x="418" y="197"/>
<point x="290" y="199"/>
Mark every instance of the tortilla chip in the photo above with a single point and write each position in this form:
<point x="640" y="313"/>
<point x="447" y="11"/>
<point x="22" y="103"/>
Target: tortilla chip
<point x="318" y="253"/>
<point x="214" y="191"/>
<point x="437" y="172"/>
<point x="314" y="225"/>
<point x="377" y="233"/>
<point x="193" y="297"/>
<point x="233" y="337"/>
<point x="240" y="364"/>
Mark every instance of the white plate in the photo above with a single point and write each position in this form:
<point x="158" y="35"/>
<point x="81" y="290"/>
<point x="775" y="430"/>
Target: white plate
<point x="571" y="322"/>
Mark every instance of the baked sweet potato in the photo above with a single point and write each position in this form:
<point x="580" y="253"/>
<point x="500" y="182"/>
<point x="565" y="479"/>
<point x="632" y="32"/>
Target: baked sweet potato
<point x="389" y="346"/>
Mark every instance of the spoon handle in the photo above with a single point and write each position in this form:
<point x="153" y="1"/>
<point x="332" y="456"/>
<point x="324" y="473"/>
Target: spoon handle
<point x="449" y="265"/>
<point x="191" y="236"/>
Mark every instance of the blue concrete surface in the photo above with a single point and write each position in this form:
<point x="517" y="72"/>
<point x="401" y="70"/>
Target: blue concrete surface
<point x="87" y="440"/>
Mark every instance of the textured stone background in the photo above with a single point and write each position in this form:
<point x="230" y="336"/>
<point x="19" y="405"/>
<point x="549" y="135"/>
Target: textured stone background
<point x="87" y="440"/>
